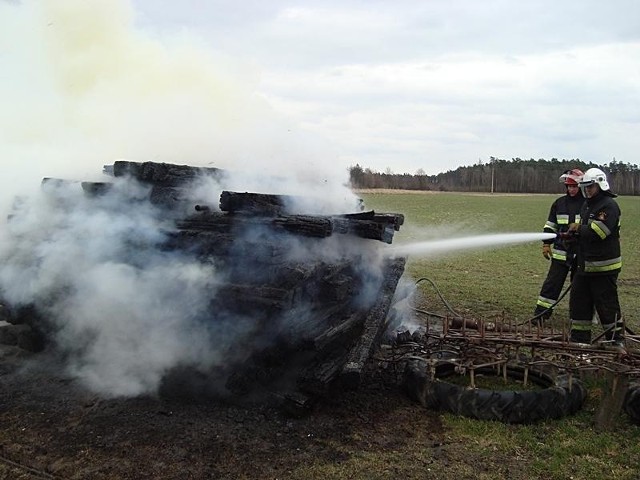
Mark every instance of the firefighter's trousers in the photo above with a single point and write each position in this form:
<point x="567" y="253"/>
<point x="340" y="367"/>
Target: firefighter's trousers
<point x="551" y="287"/>
<point x="595" y="293"/>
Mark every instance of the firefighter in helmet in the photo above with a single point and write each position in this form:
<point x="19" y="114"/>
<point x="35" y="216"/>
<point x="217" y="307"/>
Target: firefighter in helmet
<point x="564" y="211"/>
<point x="599" y="261"/>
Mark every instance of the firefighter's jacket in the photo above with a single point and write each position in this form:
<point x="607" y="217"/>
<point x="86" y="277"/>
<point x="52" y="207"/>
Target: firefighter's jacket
<point x="599" y="236"/>
<point x="563" y="211"/>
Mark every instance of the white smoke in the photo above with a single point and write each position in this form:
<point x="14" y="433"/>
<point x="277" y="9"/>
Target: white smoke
<point x="80" y="88"/>
<point x="126" y="309"/>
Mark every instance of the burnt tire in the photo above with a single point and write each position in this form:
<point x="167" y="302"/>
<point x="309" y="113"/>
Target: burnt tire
<point x="632" y="401"/>
<point x="558" y="398"/>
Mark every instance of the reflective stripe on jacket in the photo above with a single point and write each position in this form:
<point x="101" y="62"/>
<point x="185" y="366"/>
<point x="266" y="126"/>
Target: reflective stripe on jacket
<point x="599" y="236"/>
<point x="564" y="210"/>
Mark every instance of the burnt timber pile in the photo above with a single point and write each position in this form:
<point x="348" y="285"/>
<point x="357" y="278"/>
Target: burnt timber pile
<point x="315" y="288"/>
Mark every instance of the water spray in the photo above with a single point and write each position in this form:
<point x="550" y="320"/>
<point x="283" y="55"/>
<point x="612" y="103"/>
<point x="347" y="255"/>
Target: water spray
<point x="467" y="243"/>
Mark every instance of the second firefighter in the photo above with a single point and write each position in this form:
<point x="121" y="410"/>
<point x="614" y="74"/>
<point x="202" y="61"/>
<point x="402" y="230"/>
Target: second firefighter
<point x="564" y="211"/>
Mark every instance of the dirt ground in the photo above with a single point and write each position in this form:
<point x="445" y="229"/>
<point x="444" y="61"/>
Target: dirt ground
<point x="50" y="427"/>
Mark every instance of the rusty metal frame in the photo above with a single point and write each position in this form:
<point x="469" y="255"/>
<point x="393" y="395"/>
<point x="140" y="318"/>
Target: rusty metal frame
<point x="475" y="344"/>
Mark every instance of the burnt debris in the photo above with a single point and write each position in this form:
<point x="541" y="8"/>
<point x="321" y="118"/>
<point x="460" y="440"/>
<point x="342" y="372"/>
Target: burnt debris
<point x="315" y="288"/>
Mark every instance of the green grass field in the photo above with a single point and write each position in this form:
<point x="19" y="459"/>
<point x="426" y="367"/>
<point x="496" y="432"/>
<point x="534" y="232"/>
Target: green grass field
<point x="501" y="279"/>
<point x="506" y="280"/>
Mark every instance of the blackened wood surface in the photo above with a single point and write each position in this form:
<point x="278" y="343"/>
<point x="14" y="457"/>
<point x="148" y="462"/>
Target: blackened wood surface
<point x="162" y="174"/>
<point x="304" y="225"/>
<point x="265" y="299"/>
<point x="253" y="203"/>
<point x="342" y="334"/>
<point x="96" y="188"/>
<point x="317" y="380"/>
<point x="369" y="229"/>
<point x="396" y="219"/>
<point x="374" y="326"/>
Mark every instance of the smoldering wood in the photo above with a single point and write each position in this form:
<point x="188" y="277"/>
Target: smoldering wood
<point x="307" y="298"/>
<point x="320" y="328"/>
<point x="396" y="219"/>
<point x="200" y="243"/>
<point x="369" y="229"/>
<point x="344" y="350"/>
<point x="375" y="325"/>
<point x="307" y="331"/>
<point x="318" y="379"/>
<point x="341" y="334"/>
<point x="339" y="343"/>
<point x="382" y="229"/>
<point x="363" y="224"/>
<point x="22" y="335"/>
<point x="253" y="203"/>
<point x="247" y="299"/>
<point x="350" y="337"/>
<point x="162" y="174"/>
<point x="96" y="188"/>
<point x="305" y="225"/>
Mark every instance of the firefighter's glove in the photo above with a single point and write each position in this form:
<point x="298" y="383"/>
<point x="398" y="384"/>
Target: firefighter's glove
<point x="546" y="251"/>
<point x="573" y="228"/>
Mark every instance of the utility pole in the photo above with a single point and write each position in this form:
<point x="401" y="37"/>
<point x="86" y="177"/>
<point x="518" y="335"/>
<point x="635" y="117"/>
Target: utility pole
<point x="493" y="168"/>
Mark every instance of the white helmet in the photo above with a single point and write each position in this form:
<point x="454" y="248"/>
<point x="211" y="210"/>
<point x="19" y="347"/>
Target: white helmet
<point x="595" y="175"/>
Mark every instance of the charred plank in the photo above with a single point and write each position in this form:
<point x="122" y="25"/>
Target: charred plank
<point x="253" y="203"/>
<point x="374" y="326"/>
<point x="254" y="298"/>
<point x="162" y="174"/>
<point x="304" y="225"/>
<point x="94" y="189"/>
<point x="396" y="219"/>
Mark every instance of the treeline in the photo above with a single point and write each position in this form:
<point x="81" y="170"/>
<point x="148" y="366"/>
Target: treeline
<point x="500" y="176"/>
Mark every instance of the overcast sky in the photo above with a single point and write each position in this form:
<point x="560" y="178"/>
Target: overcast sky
<point x="430" y="84"/>
<point x="405" y="85"/>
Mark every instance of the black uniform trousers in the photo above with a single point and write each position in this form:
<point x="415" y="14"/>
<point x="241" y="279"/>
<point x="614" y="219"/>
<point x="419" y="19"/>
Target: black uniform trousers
<point x="595" y="293"/>
<point x="552" y="287"/>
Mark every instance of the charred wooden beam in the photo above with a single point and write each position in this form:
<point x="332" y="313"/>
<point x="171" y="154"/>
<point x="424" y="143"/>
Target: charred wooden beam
<point x="265" y="299"/>
<point x="227" y="248"/>
<point x="200" y="243"/>
<point x="318" y="327"/>
<point x="341" y="334"/>
<point x="305" y="225"/>
<point x="395" y="219"/>
<point x="253" y="203"/>
<point x="96" y="188"/>
<point x="318" y="379"/>
<point x="372" y="230"/>
<point x="371" y="225"/>
<point x="167" y="196"/>
<point x="374" y="326"/>
<point x="161" y="174"/>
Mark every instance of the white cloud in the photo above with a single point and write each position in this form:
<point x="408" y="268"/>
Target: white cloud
<point x="404" y="85"/>
<point x="543" y="105"/>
